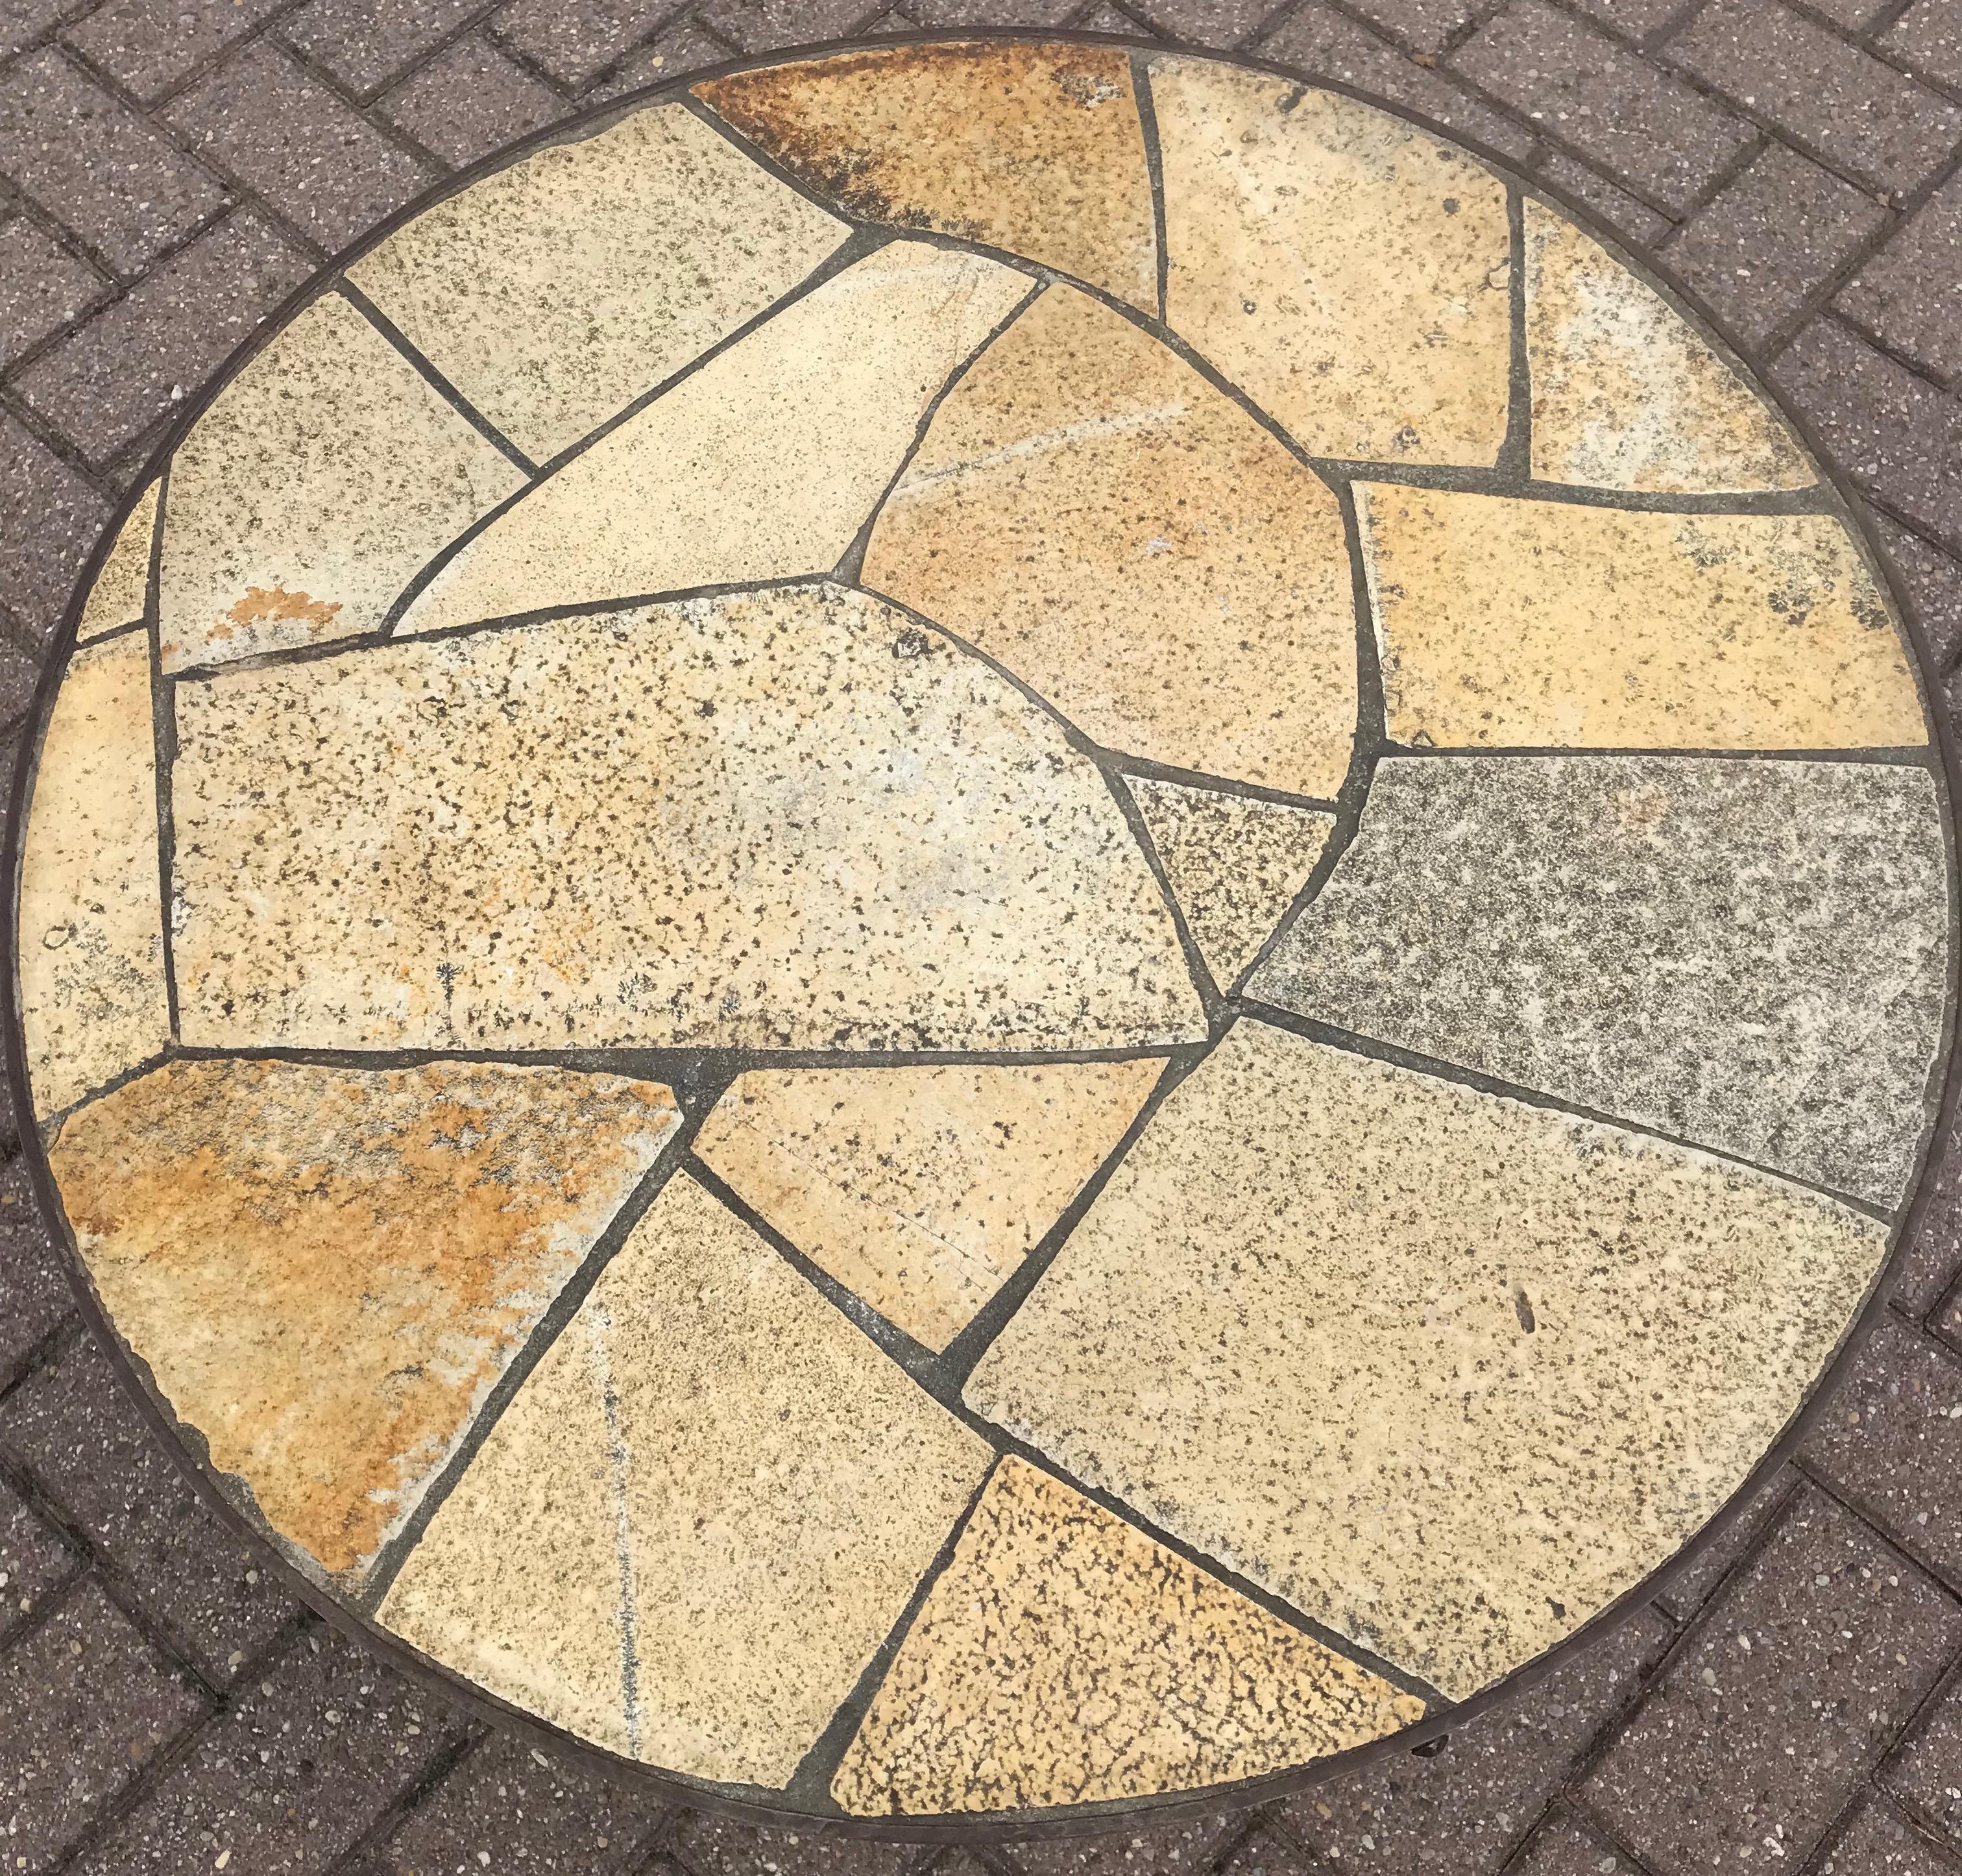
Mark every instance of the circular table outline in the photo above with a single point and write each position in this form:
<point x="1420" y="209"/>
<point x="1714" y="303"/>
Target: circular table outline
<point x="183" y="1441"/>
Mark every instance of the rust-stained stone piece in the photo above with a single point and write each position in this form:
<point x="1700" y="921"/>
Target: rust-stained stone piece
<point x="921" y="1189"/>
<point x="326" y="1269"/>
<point x="1037" y="149"/>
<point x="1127" y="540"/>
<point x="1065" y="1658"/>
<point x="90" y="947"/>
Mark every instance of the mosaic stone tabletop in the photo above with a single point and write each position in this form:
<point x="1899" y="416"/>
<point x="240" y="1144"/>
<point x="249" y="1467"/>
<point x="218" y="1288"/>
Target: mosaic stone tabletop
<point x="982" y="930"/>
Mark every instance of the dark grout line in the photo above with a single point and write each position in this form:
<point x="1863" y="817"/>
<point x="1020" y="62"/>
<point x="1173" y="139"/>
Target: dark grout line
<point x="1140" y="65"/>
<point x="1908" y="756"/>
<point x="1940" y="1573"/>
<point x="397" y="1812"/>
<point x="164" y="754"/>
<point x="1515" y="457"/>
<point x="426" y="369"/>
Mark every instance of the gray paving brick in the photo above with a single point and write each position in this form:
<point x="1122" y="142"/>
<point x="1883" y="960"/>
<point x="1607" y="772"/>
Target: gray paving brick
<point x="1785" y="1696"/>
<point x="1928" y="37"/>
<point x="1263" y="1854"/>
<point x="1170" y="1850"/>
<point x="300" y="1767"/>
<point x="575" y="40"/>
<point x="42" y="287"/>
<point x="85" y="1703"/>
<point x="528" y="1812"/>
<point x="1892" y="432"/>
<point x="1932" y="583"/>
<point x="108" y="381"/>
<point x="1649" y="131"/>
<point x="366" y="44"/>
<point x="75" y="1430"/>
<point x="328" y="170"/>
<point x="1220" y="23"/>
<point x="1927" y="1770"/>
<point x="96" y="167"/>
<point x="1864" y="117"/>
<point x="1772" y="237"/>
<point x="1609" y="200"/>
<point x="49" y="517"/>
<point x="468" y="101"/>
<point x="149" y="46"/>
<point x="1856" y="15"/>
<point x="706" y="1845"/>
<point x="31" y="1277"/>
<point x="1890" y="1439"/>
<point x="1693" y="1587"/>
<point x="940" y="14"/>
<point x="1325" y="44"/>
<point x="1904" y="295"/>
<point x="34" y="1561"/>
<point x="756" y="25"/>
<point x="1564" y="1845"/>
<point x="1637" y="19"/>
<point x="24" y="22"/>
<point x="1469" y="1805"/>
<point x="682" y="48"/>
<point x="1424" y="26"/>
<point x="1880" y="1842"/>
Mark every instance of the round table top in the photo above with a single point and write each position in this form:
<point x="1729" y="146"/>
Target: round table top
<point x="985" y="929"/>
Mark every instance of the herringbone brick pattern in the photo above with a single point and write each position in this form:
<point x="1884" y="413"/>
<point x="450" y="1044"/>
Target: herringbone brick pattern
<point x="171" y="169"/>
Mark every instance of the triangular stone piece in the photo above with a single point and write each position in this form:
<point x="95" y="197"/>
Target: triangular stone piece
<point x="1625" y="394"/>
<point x="1064" y="1657"/>
<point x="921" y="1189"/>
<point x="327" y="1270"/>
<point x="1236" y="864"/>
<point x="121" y="588"/>
<point x="1037" y="149"/>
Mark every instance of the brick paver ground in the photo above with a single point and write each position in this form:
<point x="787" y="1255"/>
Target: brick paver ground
<point x="170" y="169"/>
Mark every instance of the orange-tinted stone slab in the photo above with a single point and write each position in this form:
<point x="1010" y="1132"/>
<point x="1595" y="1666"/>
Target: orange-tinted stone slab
<point x="326" y="1269"/>
<point x="1037" y="149"/>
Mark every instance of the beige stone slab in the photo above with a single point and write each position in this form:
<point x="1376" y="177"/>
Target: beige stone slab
<point x="325" y="475"/>
<point x="1037" y="149"/>
<point x="1236" y="864"/>
<point x="1089" y="511"/>
<point x="1065" y="1658"/>
<point x="556" y="291"/>
<point x="791" y="818"/>
<point x="122" y="588"/>
<point x="921" y="1189"/>
<point x="1539" y="625"/>
<point x="94" y="1003"/>
<point x="1625" y="394"/>
<point x="1345" y="270"/>
<point x="779" y="1488"/>
<point x="763" y="465"/>
<point x="1446" y="1371"/>
<point x="327" y="1270"/>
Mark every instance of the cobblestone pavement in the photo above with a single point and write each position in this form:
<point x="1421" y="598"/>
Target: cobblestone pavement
<point x="171" y="169"/>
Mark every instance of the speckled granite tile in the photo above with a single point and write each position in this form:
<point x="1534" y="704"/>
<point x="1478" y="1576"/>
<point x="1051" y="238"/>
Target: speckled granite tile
<point x="370" y="1247"/>
<point x="1625" y="394"/>
<point x="763" y="464"/>
<point x="1446" y="1371"/>
<point x="1392" y="348"/>
<point x="1037" y="149"/>
<point x="770" y="1489"/>
<point x="555" y="293"/>
<point x="1236" y="864"/>
<point x="1064" y="1658"/>
<point x="93" y="1000"/>
<point x="325" y="473"/>
<point x="921" y="1189"/>
<point x="1535" y="624"/>
<point x="122" y="588"/>
<point x="1746" y="954"/>
<point x="1130" y="543"/>
<point x="786" y="819"/>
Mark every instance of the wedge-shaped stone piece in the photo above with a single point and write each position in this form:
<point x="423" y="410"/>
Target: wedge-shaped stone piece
<point x="1065" y="1658"/>
<point x="1089" y="511"/>
<point x="122" y="588"/>
<point x="1625" y="394"/>
<point x="1037" y="149"/>
<point x="1747" y="955"/>
<point x="763" y="465"/>
<point x="1445" y="1371"/>
<point x="775" y="1488"/>
<point x="1236" y="864"/>
<point x="1344" y="269"/>
<point x="790" y="818"/>
<point x="556" y="291"/>
<point x="327" y="1270"/>
<point x="1537" y="624"/>
<point x="94" y="1000"/>
<point x="920" y="1188"/>
<point x="325" y="473"/>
